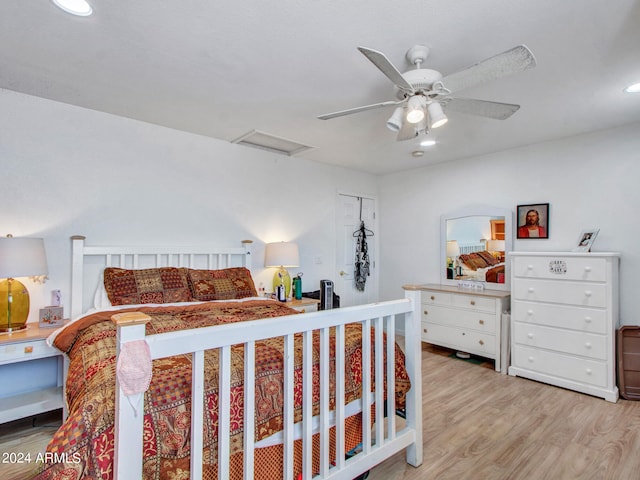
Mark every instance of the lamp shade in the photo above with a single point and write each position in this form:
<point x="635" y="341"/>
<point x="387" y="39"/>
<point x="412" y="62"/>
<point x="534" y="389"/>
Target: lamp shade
<point x="495" y="245"/>
<point x="281" y="254"/>
<point x="22" y="257"/>
<point x="453" y="250"/>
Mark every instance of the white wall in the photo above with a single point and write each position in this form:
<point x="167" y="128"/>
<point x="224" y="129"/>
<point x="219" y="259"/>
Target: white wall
<point x="589" y="180"/>
<point x="68" y="170"/>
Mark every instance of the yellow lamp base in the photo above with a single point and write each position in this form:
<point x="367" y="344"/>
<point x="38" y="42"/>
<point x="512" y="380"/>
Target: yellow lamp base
<point x="16" y="319"/>
<point x="282" y="277"/>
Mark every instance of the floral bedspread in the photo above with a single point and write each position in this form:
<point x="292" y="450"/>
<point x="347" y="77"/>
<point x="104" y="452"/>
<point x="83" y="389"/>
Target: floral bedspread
<point x="83" y="447"/>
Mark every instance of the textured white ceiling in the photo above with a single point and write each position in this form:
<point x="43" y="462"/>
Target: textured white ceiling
<point x="222" y="69"/>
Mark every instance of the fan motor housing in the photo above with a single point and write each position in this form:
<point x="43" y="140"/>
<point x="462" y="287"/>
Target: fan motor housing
<point x="421" y="79"/>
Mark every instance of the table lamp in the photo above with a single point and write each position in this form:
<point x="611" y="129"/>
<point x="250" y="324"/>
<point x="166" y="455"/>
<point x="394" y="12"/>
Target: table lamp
<point x="19" y="257"/>
<point x="281" y="255"/>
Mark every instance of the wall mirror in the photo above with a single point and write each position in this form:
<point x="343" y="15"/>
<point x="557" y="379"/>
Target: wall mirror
<point x="473" y="246"/>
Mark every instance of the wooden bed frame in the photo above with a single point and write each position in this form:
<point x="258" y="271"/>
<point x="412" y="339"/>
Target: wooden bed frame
<point x="387" y="437"/>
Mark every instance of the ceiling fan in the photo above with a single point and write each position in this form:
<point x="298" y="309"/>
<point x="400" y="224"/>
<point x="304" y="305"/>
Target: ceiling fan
<point x="423" y="94"/>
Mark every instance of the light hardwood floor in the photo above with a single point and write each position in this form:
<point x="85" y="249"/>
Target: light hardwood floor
<point x="478" y="425"/>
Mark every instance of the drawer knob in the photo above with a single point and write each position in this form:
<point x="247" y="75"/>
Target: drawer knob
<point x="472" y="302"/>
<point x="481" y="322"/>
<point x="588" y="371"/>
<point x="529" y="312"/>
<point x="425" y="312"/>
<point x="587" y="293"/>
<point x="531" y="359"/>
<point x="587" y="319"/>
<point x="481" y="342"/>
<point x="587" y="269"/>
<point x="529" y="335"/>
<point x="531" y="290"/>
<point x="588" y="344"/>
<point x="529" y="267"/>
<point x="425" y="330"/>
<point x="28" y="349"/>
<point x="433" y="297"/>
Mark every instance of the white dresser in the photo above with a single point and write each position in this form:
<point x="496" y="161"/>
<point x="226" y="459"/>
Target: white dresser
<point x="564" y="315"/>
<point x="466" y="320"/>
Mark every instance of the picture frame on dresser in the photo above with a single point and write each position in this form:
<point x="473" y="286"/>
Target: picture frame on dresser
<point x="533" y="221"/>
<point x="586" y="239"/>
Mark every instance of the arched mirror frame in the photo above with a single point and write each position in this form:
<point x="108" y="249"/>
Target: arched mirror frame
<point x="483" y="211"/>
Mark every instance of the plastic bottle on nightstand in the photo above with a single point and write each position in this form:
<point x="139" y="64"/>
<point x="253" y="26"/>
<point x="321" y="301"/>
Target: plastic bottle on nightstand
<point x="297" y="286"/>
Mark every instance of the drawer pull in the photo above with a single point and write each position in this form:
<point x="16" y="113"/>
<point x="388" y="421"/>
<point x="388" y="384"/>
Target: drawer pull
<point x="588" y="371"/>
<point x="28" y="349"/>
<point x="587" y="319"/>
<point x="529" y="312"/>
<point x="531" y="359"/>
<point x="481" y="342"/>
<point x="472" y="302"/>
<point x="432" y="297"/>
<point x="531" y="290"/>
<point x="587" y="293"/>
<point x="588" y="344"/>
<point x="529" y="267"/>
<point x="425" y="330"/>
<point x="481" y="322"/>
<point x="425" y="312"/>
<point x="587" y="269"/>
<point x="529" y="335"/>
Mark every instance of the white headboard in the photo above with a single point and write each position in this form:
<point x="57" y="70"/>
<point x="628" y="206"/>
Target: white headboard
<point x="88" y="262"/>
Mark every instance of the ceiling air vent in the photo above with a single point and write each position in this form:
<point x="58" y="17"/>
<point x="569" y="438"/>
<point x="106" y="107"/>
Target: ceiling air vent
<point x="269" y="142"/>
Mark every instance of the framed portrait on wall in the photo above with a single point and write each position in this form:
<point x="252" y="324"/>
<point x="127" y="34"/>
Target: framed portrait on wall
<point x="533" y="220"/>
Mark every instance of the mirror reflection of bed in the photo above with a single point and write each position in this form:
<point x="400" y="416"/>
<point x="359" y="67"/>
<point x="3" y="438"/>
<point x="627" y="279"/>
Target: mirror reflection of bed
<point x="474" y="246"/>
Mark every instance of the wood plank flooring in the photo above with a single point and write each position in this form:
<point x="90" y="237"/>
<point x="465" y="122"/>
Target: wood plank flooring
<point x="478" y="425"/>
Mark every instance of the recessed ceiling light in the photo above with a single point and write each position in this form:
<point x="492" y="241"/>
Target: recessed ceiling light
<point x="75" y="7"/>
<point x="427" y="143"/>
<point x="635" y="88"/>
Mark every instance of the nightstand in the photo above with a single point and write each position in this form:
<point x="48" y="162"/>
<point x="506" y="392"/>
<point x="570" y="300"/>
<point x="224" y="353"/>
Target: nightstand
<point x="304" y="305"/>
<point x="31" y="372"/>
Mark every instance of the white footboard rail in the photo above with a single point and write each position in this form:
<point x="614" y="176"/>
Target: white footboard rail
<point x="387" y="437"/>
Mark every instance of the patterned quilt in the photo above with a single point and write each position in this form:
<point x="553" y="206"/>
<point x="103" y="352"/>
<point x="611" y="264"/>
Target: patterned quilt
<point x="83" y="447"/>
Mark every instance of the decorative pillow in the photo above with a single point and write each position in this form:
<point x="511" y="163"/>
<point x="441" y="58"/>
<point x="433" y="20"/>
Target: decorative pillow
<point x="489" y="259"/>
<point x="225" y="284"/>
<point x="151" y="285"/>
<point x="473" y="261"/>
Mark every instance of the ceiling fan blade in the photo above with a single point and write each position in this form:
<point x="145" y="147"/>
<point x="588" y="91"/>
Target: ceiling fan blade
<point x="512" y="61"/>
<point x="385" y="66"/>
<point x="341" y="113"/>
<point x="483" y="108"/>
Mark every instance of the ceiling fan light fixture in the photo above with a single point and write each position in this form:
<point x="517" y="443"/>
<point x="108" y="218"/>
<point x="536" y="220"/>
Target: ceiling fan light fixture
<point x="395" y="121"/>
<point x="415" y="109"/>
<point x="75" y="7"/>
<point x="436" y="115"/>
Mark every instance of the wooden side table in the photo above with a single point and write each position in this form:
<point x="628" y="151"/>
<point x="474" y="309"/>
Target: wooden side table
<point x="304" y="305"/>
<point x="31" y="372"/>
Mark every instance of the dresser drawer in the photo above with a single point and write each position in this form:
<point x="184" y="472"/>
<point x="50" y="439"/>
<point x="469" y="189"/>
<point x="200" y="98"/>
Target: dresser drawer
<point x="575" y="369"/>
<point x="574" y="293"/>
<point x="467" y="319"/>
<point x="430" y="297"/>
<point x="460" y="339"/>
<point x="470" y="302"/>
<point x="18" y="352"/>
<point x="593" y="320"/>
<point x="567" y="268"/>
<point x="565" y="341"/>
